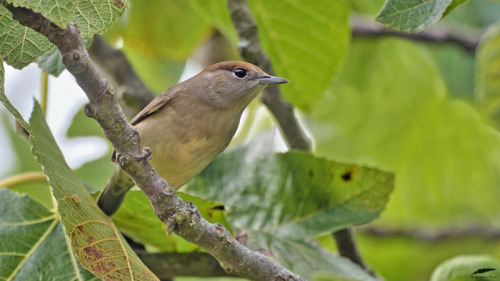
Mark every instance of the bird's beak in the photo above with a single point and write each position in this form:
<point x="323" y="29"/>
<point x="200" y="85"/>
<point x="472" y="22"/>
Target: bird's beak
<point x="272" y="80"/>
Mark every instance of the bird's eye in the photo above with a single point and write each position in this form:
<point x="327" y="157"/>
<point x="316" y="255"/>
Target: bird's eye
<point x="240" y="73"/>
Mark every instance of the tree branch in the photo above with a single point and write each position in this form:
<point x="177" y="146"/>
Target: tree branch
<point x="363" y="28"/>
<point x="284" y="112"/>
<point x="180" y="217"/>
<point x="133" y="91"/>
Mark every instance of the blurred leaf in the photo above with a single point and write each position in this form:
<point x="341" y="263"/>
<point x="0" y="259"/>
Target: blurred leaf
<point x="98" y="245"/>
<point x="97" y="16"/>
<point x="83" y="126"/>
<point x="96" y="173"/>
<point x="159" y="74"/>
<point x="33" y="242"/>
<point x="136" y="214"/>
<point x="415" y="15"/>
<point x="388" y="108"/>
<point x="467" y="268"/>
<point x="397" y="260"/>
<point x="217" y="14"/>
<point x="162" y="29"/>
<point x="363" y="6"/>
<point x="20" y="45"/>
<point x="456" y="66"/>
<point x="58" y="12"/>
<point x="488" y="75"/>
<point x="307" y="46"/>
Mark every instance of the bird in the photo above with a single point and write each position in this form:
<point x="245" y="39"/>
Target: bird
<point x="189" y="124"/>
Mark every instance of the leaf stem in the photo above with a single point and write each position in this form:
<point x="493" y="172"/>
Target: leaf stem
<point x="23" y="178"/>
<point x="45" y="92"/>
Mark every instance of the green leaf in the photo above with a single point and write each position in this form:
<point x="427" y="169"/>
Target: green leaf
<point x="389" y="108"/>
<point x="467" y="268"/>
<point x="19" y="45"/>
<point x="97" y="243"/>
<point x="217" y="14"/>
<point x="487" y="74"/>
<point x="33" y="242"/>
<point x="96" y="16"/>
<point x="58" y="12"/>
<point x="307" y="46"/>
<point x="310" y="196"/>
<point x="163" y="29"/>
<point x="415" y="15"/>
<point x="136" y="214"/>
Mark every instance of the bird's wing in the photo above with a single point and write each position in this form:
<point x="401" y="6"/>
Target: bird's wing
<point x="158" y="103"/>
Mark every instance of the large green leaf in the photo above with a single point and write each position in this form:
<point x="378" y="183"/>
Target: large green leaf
<point x="415" y="15"/>
<point x="389" y="108"/>
<point x="217" y="14"/>
<point x="487" y="74"/>
<point x="294" y="194"/>
<point x="162" y="29"/>
<point x="19" y="45"/>
<point x="59" y="12"/>
<point x="97" y="243"/>
<point x="33" y="243"/>
<point x="306" y="43"/>
<point x="281" y="200"/>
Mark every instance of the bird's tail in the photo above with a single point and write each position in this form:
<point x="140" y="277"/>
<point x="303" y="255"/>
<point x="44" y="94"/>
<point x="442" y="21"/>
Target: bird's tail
<point x="112" y="196"/>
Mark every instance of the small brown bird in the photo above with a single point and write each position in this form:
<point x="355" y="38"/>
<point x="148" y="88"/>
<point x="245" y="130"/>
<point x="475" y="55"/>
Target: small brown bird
<point x="190" y="123"/>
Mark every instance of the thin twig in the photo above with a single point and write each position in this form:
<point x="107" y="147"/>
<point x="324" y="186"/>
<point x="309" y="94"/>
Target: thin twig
<point x="180" y="217"/>
<point x="363" y="28"/>
<point x="434" y="236"/>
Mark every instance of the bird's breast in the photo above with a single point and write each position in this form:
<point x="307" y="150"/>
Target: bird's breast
<point x="183" y="144"/>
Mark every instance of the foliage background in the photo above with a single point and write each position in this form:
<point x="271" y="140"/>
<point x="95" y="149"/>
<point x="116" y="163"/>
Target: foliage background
<point x="425" y="111"/>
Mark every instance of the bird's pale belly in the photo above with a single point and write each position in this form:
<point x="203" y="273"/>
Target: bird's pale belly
<point x="178" y="164"/>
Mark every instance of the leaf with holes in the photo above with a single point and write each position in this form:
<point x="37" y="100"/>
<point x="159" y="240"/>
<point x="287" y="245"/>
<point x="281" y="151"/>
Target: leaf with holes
<point x="33" y="242"/>
<point x="284" y="199"/>
<point x="97" y="243"/>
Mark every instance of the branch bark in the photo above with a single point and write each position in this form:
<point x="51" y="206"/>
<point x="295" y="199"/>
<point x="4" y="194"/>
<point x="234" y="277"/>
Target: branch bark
<point x="180" y="217"/>
<point x="283" y="111"/>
